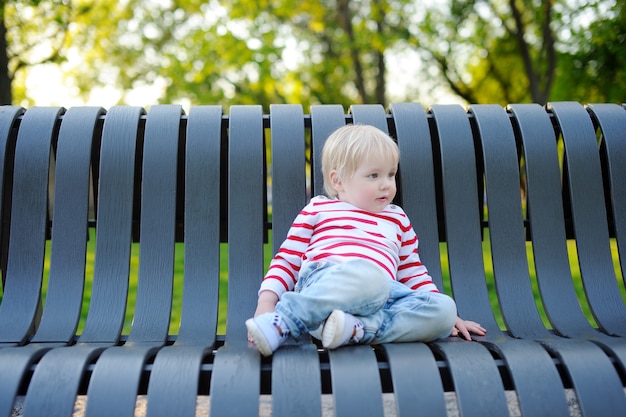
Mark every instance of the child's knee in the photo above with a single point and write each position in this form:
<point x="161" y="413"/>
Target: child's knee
<point x="447" y="313"/>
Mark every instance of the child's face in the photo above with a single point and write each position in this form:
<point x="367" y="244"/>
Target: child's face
<point x="371" y="188"/>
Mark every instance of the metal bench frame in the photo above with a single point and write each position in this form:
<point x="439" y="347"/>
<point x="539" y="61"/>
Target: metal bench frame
<point x="164" y="176"/>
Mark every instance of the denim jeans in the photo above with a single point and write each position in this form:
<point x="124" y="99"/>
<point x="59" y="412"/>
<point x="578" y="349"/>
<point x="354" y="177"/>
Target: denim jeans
<point x="389" y="310"/>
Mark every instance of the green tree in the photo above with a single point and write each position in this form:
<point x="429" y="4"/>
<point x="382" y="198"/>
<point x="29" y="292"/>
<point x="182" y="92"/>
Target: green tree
<point x="596" y="71"/>
<point x="508" y="51"/>
<point x="33" y="32"/>
<point x="250" y="51"/>
<point x="322" y="51"/>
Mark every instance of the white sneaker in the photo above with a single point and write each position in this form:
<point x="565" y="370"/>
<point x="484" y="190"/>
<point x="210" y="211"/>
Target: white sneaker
<point x="267" y="331"/>
<point x="341" y="329"/>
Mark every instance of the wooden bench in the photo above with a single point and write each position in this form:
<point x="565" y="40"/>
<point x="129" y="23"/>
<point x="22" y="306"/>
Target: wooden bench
<point x="513" y="191"/>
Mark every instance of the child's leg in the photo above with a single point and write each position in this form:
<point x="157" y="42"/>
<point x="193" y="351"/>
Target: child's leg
<point x="410" y="316"/>
<point x="356" y="287"/>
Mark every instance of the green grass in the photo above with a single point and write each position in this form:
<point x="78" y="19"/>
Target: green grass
<point x="179" y="276"/>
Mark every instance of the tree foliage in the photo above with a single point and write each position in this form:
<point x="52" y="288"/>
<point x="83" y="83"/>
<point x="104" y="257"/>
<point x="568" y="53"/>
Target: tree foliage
<point x="325" y="51"/>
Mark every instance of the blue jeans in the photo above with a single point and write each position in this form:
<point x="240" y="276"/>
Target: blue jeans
<point x="389" y="310"/>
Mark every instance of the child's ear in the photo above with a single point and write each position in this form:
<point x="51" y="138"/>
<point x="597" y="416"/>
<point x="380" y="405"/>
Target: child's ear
<point x="335" y="180"/>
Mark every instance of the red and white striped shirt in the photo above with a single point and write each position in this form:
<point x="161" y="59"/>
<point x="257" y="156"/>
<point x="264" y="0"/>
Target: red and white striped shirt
<point x="335" y="231"/>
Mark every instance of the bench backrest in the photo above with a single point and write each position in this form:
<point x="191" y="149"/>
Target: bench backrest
<point x="485" y="177"/>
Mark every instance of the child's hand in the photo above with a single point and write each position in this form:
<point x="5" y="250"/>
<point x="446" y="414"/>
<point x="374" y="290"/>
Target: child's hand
<point x="465" y="327"/>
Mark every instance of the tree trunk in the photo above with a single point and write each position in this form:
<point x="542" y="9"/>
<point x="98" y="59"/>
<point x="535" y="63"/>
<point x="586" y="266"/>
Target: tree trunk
<point x="5" y="79"/>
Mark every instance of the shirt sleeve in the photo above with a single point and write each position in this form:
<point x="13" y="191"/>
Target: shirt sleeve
<point x="411" y="270"/>
<point x="282" y="273"/>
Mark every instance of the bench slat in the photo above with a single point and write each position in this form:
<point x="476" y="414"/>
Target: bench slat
<point x="175" y="373"/>
<point x="158" y="219"/>
<point x="590" y="219"/>
<point x="477" y="382"/>
<point x="29" y="215"/>
<point x="419" y="190"/>
<point x="463" y="220"/>
<point x="356" y="382"/>
<point x="501" y="224"/>
<point x="67" y="259"/>
<point x="107" y="306"/>
<point x="457" y="149"/>
<point x="116" y="376"/>
<point x="8" y="137"/>
<point x="515" y="352"/>
<point x="66" y="366"/>
<point x="598" y="388"/>
<point x="375" y="115"/>
<point x="296" y="380"/>
<point x="111" y="269"/>
<point x="506" y="232"/>
<point x="416" y="379"/>
<point x="68" y="244"/>
<point x="346" y="375"/>
<point x="612" y="121"/>
<point x="325" y="118"/>
<point x="202" y="226"/>
<point x="235" y="380"/>
<point x="546" y="219"/>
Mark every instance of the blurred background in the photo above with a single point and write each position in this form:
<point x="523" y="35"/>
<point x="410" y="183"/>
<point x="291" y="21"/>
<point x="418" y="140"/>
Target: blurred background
<point x="145" y="52"/>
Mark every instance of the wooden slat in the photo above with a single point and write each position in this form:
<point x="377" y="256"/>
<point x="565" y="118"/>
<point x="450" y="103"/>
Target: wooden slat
<point x="325" y="118"/>
<point x="417" y="191"/>
<point x="612" y="121"/>
<point x="67" y="264"/>
<point x="29" y="216"/>
<point x="539" y="380"/>
<point x="598" y="388"/>
<point x="69" y="226"/>
<point x="107" y="306"/>
<point x="584" y="177"/>
<point x="66" y="364"/>
<point x="462" y="216"/>
<point x="546" y="219"/>
<point x="516" y="352"/>
<point x="114" y="383"/>
<point x="175" y="373"/>
<point x="354" y="370"/>
<point x="8" y="136"/>
<point x="345" y="373"/>
<point x="235" y="380"/>
<point x="477" y="383"/>
<point x="296" y="381"/>
<point x="414" y="372"/>
<point x="356" y="382"/>
<point x="465" y="257"/>
<point x="416" y="379"/>
<point x="506" y="228"/>
<point x="202" y="223"/>
<point x="110" y="281"/>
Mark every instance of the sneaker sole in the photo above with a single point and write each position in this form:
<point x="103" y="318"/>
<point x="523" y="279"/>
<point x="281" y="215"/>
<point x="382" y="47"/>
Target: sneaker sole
<point x="331" y="338"/>
<point x="258" y="338"/>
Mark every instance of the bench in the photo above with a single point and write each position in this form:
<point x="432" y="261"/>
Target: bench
<point x="508" y="203"/>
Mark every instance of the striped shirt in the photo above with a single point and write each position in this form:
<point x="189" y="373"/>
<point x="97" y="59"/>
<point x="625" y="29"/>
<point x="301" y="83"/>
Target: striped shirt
<point x="335" y="231"/>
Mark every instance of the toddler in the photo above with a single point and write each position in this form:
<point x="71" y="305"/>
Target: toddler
<point x="349" y="270"/>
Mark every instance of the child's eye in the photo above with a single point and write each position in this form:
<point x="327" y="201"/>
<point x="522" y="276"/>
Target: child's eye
<point x="373" y="176"/>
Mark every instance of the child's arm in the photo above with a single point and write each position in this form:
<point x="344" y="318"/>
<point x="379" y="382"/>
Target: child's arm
<point x="465" y="327"/>
<point x="266" y="303"/>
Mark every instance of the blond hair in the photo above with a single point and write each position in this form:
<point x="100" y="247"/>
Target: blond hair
<point x="350" y="146"/>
